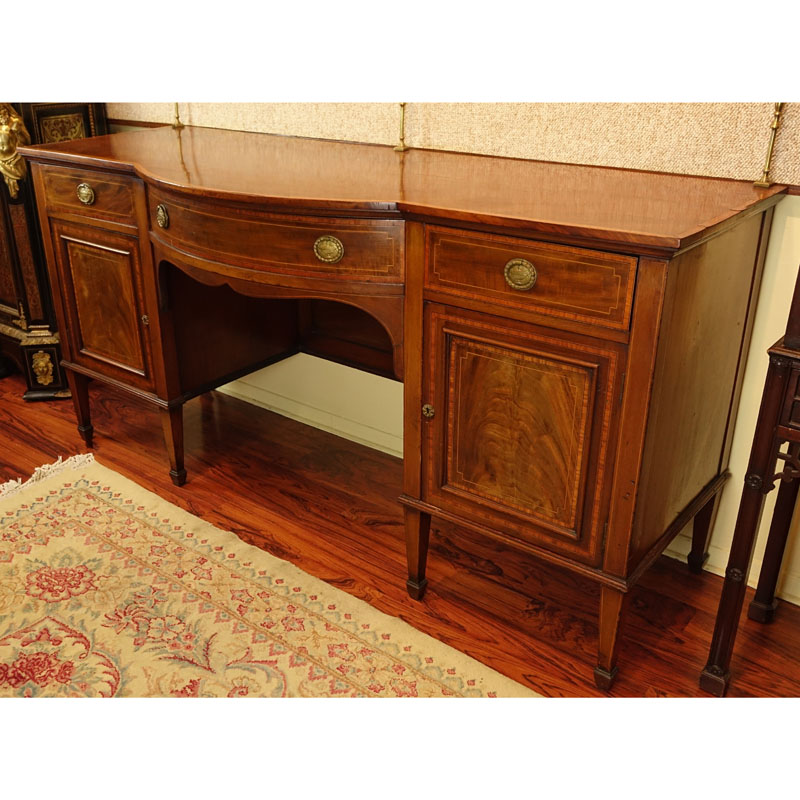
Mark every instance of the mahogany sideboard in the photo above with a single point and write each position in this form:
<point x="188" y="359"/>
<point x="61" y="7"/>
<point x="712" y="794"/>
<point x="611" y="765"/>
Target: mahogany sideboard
<point x="571" y="339"/>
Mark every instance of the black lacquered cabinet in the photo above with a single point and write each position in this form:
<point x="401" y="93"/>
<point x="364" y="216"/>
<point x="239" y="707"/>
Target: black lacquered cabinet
<point x="29" y="338"/>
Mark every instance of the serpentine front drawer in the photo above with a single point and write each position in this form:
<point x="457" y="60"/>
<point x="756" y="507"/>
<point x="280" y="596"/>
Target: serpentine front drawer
<point x="348" y="249"/>
<point x="564" y="282"/>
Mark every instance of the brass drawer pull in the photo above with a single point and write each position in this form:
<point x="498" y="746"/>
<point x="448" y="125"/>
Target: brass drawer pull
<point x="162" y="217"/>
<point x="520" y="274"/>
<point x="85" y="193"/>
<point x="328" y="249"/>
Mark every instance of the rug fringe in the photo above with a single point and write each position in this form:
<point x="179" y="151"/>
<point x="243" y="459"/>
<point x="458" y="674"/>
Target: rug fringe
<point x="12" y="487"/>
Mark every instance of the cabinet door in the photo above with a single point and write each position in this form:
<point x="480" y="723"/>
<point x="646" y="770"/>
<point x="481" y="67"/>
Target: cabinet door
<point x="522" y="428"/>
<point x="100" y="279"/>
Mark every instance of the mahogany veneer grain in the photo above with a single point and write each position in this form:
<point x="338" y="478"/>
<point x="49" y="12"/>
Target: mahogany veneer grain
<point x="565" y="200"/>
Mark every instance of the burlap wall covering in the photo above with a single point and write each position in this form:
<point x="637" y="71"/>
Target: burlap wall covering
<point x="717" y="139"/>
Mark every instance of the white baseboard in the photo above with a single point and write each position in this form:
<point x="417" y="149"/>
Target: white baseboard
<point x="788" y="586"/>
<point x="352" y="404"/>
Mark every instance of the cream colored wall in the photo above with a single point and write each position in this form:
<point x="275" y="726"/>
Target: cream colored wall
<point x="719" y="139"/>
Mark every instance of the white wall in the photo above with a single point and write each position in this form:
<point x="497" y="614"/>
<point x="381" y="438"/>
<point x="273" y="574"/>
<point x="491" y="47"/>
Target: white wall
<point x="368" y="409"/>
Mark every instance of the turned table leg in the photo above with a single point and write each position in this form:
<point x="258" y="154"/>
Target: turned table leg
<point x="172" y="423"/>
<point x="613" y="605"/>
<point x="79" y="386"/>
<point x="762" y="608"/>
<point x="418" y="528"/>
<point x="701" y="533"/>
<point x="758" y="481"/>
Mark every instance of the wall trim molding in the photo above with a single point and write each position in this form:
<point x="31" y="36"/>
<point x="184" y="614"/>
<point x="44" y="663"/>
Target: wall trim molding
<point x="346" y="402"/>
<point x="788" y="585"/>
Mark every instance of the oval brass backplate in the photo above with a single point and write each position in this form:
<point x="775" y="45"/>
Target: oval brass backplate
<point x="162" y="217"/>
<point x="328" y="249"/>
<point x="520" y="274"/>
<point x="85" y="193"/>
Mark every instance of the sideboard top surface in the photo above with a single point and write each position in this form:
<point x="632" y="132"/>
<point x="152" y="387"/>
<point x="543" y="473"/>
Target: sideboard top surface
<point x="595" y="203"/>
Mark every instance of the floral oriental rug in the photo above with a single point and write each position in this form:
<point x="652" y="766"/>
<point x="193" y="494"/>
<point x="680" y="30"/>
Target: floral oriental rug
<point x="106" y="590"/>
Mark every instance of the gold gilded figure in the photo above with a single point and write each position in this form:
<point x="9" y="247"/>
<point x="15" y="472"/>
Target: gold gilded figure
<point x="12" y="135"/>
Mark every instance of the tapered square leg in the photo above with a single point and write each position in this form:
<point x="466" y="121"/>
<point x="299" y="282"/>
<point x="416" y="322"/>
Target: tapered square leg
<point x="701" y="533"/>
<point x="613" y="605"/>
<point x="172" y="423"/>
<point x="79" y="386"/>
<point x="418" y="527"/>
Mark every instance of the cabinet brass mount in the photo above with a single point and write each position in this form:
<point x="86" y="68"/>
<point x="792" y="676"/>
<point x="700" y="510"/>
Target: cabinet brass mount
<point x="12" y="134"/>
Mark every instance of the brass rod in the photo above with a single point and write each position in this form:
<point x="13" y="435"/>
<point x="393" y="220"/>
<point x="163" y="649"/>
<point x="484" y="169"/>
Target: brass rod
<point x="776" y="122"/>
<point x="177" y="121"/>
<point x="402" y="146"/>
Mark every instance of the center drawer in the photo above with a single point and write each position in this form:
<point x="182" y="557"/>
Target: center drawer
<point x="545" y="279"/>
<point x="352" y="249"/>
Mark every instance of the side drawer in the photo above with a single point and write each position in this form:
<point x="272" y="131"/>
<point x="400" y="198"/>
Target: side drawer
<point x="555" y="280"/>
<point x="349" y="249"/>
<point x="94" y="194"/>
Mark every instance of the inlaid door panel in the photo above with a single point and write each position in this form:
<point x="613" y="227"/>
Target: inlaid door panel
<point x="520" y="433"/>
<point x="101" y="277"/>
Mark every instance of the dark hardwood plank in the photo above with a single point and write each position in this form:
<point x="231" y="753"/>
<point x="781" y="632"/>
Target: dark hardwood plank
<point x="330" y="506"/>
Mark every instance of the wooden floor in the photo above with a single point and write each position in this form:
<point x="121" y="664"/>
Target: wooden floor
<point x="329" y="506"/>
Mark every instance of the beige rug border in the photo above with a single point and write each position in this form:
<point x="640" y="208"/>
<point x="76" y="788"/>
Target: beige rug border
<point x="50" y="475"/>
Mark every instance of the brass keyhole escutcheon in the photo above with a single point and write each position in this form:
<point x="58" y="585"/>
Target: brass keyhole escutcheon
<point x="162" y="217"/>
<point x="85" y="193"/>
<point x="328" y="249"/>
<point x="145" y="319"/>
<point x="428" y="411"/>
<point x="520" y="274"/>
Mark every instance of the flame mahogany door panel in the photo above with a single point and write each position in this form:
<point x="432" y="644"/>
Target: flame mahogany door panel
<point x="520" y="436"/>
<point x="101" y="276"/>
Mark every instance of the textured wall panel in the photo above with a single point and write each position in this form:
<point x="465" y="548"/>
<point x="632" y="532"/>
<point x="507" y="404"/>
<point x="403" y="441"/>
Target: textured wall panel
<point x="355" y="122"/>
<point x="786" y="159"/>
<point x="717" y="139"/>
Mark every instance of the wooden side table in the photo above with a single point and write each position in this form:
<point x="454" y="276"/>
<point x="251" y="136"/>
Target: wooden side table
<point x="774" y="458"/>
